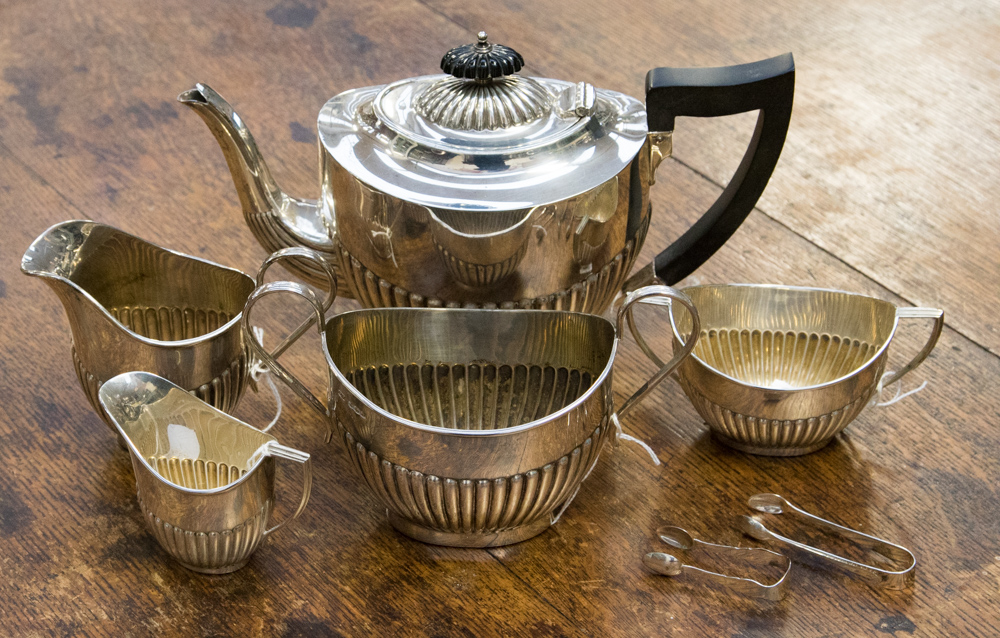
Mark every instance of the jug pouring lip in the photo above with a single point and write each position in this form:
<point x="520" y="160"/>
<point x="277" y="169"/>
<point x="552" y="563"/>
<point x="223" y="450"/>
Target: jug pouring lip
<point x="115" y="384"/>
<point x="54" y="273"/>
<point x="597" y="384"/>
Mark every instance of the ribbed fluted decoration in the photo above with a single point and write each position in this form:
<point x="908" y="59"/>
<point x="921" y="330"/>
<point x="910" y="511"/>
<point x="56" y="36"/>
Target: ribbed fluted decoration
<point x="474" y="506"/>
<point x="592" y="295"/>
<point x="169" y="323"/>
<point x="781" y="359"/>
<point x="471" y="106"/>
<point x="195" y="474"/>
<point x="775" y="437"/>
<point x="482" y="275"/>
<point x="471" y="396"/>
<point x="214" y="552"/>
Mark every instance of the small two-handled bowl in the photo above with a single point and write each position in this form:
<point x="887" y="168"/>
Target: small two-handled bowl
<point x="471" y="426"/>
<point x="780" y="370"/>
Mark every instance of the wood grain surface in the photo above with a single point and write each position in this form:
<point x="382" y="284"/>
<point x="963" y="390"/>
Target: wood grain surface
<point x="887" y="186"/>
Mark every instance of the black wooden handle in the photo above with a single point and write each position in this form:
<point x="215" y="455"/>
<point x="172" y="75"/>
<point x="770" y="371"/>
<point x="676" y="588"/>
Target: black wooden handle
<point x="767" y="86"/>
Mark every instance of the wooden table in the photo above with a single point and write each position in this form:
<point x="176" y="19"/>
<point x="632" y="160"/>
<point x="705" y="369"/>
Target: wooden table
<point x="887" y="186"/>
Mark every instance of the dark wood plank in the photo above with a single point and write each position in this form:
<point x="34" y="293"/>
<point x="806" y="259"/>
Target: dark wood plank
<point x="893" y="138"/>
<point x="91" y="102"/>
<point x="88" y="129"/>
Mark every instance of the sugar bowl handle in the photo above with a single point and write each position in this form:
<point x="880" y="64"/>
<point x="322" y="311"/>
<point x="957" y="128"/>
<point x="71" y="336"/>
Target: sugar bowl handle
<point x="657" y="295"/>
<point x="918" y="313"/>
<point x="271" y="359"/>
<point x="298" y="255"/>
<point x="766" y="86"/>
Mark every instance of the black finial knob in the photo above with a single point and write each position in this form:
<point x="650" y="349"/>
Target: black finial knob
<point x="481" y="61"/>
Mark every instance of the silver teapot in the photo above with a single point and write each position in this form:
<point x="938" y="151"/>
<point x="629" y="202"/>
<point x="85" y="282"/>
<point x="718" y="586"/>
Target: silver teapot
<point x="486" y="188"/>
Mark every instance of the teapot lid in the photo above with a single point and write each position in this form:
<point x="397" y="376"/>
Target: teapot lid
<point x="483" y="92"/>
<point x="483" y="137"/>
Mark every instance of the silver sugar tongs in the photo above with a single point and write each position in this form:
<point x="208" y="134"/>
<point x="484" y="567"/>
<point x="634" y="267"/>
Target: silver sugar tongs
<point x="899" y="557"/>
<point x="669" y="565"/>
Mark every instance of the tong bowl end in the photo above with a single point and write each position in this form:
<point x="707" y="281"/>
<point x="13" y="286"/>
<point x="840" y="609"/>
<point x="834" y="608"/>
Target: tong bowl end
<point x="754" y="528"/>
<point x="768" y="503"/>
<point x="676" y="537"/>
<point x="662" y="563"/>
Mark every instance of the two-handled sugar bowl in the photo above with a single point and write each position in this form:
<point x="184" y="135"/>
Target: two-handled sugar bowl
<point x="780" y="370"/>
<point x="471" y="426"/>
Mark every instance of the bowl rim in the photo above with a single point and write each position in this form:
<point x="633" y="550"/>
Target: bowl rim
<point x="818" y="386"/>
<point x="435" y="429"/>
<point x="164" y="344"/>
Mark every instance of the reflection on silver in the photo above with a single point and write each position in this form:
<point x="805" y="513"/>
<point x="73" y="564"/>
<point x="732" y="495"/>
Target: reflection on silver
<point x="502" y="103"/>
<point x="547" y="160"/>
<point x="133" y="305"/>
<point x="591" y="235"/>
<point x="204" y="480"/>
<point x="483" y="249"/>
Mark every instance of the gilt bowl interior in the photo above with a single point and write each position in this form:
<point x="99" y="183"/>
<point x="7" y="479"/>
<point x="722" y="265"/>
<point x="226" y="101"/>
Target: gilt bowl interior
<point x="786" y="338"/>
<point x="464" y="369"/>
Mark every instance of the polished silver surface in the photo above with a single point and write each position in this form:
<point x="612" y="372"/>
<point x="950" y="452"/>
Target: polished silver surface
<point x="472" y="426"/>
<point x="668" y="564"/>
<point x="276" y="219"/>
<point x="781" y="370"/>
<point x="132" y="305"/>
<point x="378" y="137"/>
<point x="573" y="254"/>
<point x="204" y="480"/>
<point x="896" y="564"/>
<point x="460" y="104"/>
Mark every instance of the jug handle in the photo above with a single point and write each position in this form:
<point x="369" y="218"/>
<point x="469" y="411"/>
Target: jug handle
<point x="293" y="254"/>
<point x="657" y="295"/>
<point x="262" y="289"/>
<point x="767" y="86"/>
<point x="918" y="313"/>
<point x="318" y="317"/>
<point x="291" y="454"/>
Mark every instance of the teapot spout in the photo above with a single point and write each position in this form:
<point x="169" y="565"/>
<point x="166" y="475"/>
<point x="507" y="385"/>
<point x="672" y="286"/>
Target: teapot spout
<point x="276" y="219"/>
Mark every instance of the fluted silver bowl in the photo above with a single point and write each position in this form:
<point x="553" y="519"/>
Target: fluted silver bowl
<point x="779" y="370"/>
